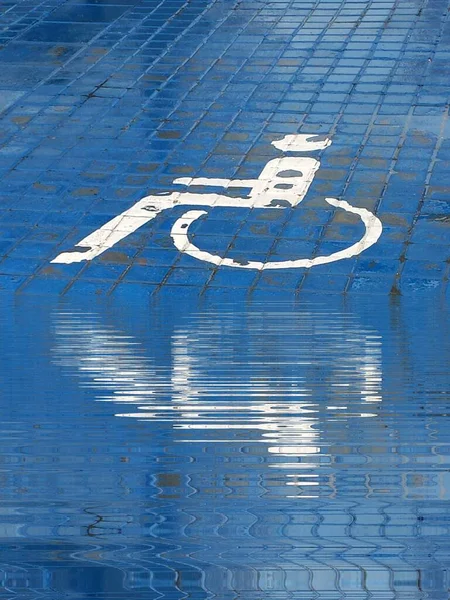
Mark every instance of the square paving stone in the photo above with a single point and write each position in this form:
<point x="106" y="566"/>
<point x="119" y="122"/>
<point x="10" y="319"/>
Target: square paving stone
<point x="63" y="32"/>
<point x="22" y="77"/>
<point x="86" y="13"/>
<point x="44" y="54"/>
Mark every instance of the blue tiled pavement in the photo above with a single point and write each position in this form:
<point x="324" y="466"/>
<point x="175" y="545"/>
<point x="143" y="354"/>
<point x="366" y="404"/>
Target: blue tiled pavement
<point x="105" y="102"/>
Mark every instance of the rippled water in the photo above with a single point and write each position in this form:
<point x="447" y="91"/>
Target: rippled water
<point x="205" y="450"/>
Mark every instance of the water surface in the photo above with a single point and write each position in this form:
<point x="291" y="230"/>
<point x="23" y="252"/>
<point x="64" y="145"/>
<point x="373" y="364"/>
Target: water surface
<point x="207" y="449"/>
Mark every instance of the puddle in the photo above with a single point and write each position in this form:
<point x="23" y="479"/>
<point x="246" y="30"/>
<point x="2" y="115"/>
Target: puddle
<point x="243" y="451"/>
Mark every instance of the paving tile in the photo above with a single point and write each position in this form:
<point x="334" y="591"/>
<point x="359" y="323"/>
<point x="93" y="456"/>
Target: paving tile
<point x="101" y="272"/>
<point x="287" y="279"/>
<point x="41" y="54"/>
<point x="77" y="12"/>
<point x="139" y="273"/>
<point x="70" y="33"/>
<point x="43" y="286"/>
<point x="369" y="284"/>
<point x="189" y="276"/>
<point x="314" y="283"/>
<point x="138" y="291"/>
<point x="229" y="277"/>
<point x="421" y="285"/>
<point x="8" y="98"/>
<point x="18" y="78"/>
<point x="82" y="288"/>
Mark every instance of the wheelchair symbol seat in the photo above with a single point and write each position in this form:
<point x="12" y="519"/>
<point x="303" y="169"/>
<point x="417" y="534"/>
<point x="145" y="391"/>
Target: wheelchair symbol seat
<point x="283" y="183"/>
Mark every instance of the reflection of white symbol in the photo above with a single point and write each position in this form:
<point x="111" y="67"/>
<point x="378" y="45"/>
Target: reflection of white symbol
<point x="283" y="183"/>
<point x="275" y="395"/>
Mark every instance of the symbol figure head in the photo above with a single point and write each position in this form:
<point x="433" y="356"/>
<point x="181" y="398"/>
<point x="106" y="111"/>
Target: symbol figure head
<point x="302" y="142"/>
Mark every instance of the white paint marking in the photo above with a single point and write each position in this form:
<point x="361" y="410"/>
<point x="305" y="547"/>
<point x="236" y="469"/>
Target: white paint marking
<point x="283" y="183"/>
<point x="301" y="142"/>
<point x="373" y="231"/>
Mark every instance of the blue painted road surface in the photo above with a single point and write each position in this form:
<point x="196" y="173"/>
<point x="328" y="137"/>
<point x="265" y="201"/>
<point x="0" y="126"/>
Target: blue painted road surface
<point x="224" y="295"/>
<point x="106" y="103"/>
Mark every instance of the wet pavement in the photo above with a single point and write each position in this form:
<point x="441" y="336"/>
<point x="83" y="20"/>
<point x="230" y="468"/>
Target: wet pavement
<point x="224" y="299"/>
<point x="244" y="450"/>
<point x="107" y="103"/>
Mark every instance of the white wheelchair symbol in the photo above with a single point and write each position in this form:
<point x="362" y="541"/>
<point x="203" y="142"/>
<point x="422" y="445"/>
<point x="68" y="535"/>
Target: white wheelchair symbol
<point x="283" y="183"/>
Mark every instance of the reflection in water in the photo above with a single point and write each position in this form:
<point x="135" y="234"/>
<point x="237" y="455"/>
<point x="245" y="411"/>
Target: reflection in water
<point x="280" y="378"/>
<point x="261" y="451"/>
